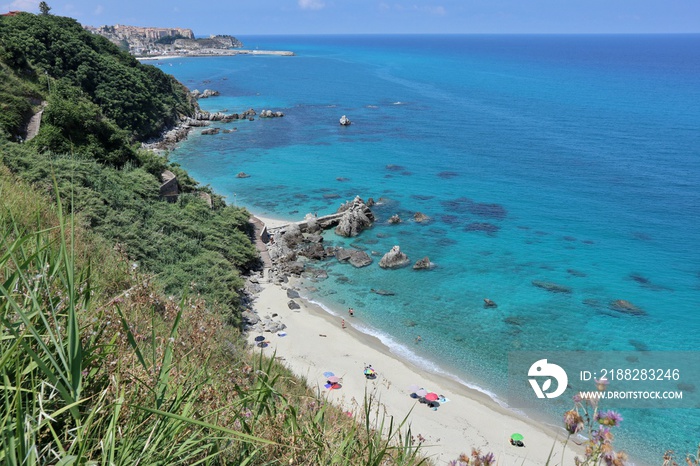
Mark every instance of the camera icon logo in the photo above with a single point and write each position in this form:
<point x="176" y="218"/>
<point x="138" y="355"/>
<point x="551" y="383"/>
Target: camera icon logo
<point x="542" y="368"/>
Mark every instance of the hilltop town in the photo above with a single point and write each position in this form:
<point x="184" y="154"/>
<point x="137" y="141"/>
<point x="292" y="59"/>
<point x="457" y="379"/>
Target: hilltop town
<point x="153" y="41"/>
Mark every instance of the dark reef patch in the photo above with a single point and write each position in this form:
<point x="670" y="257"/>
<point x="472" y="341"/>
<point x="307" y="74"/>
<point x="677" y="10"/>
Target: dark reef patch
<point x="489" y="228"/>
<point x="395" y="168"/>
<point x="641" y="236"/>
<point x="451" y="219"/>
<point x="466" y="205"/>
<point x="437" y="231"/>
<point x="420" y="197"/>
<point x="447" y="175"/>
<point x="446" y="242"/>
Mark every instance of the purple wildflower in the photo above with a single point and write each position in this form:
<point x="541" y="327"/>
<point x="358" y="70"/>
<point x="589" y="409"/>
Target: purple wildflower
<point x="609" y="418"/>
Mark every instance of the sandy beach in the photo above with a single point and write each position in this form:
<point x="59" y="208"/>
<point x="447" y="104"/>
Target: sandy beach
<point x="314" y="342"/>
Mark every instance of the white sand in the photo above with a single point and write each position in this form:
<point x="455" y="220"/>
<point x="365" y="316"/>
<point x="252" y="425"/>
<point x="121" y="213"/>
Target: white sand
<point x="315" y="343"/>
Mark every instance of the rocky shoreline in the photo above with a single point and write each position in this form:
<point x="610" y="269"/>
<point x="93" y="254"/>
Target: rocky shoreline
<point x="169" y="139"/>
<point x="294" y="250"/>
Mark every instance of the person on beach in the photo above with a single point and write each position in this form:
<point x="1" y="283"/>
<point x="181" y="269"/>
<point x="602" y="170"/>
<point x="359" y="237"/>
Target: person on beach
<point x="342" y="323"/>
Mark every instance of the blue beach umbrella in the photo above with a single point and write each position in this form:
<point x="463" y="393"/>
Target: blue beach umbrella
<point x="328" y="374"/>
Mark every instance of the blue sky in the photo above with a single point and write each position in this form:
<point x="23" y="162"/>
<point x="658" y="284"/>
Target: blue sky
<point x="247" y="17"/>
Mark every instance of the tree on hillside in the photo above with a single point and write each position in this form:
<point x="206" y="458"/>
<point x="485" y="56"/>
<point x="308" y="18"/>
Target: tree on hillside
<point x="44" y="8"/>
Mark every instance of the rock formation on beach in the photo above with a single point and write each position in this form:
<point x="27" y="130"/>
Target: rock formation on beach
<point x="394" y="259"/>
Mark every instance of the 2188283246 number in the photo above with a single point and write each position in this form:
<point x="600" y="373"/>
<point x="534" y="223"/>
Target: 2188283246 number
<point x="640" y="374"/>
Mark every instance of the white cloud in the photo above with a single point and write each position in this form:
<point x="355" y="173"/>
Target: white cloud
<point x="21" y="5"/>
<point x="311" y="4"/>
<point x="99" y="10"/>
<point x="437" y="10"/>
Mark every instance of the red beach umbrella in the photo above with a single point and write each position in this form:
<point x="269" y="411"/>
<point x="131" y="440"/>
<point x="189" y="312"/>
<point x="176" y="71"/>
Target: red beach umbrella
<point x="432" y="396"/>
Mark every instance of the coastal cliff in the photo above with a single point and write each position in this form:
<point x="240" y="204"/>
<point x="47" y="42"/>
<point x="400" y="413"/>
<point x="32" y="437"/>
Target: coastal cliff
<point x="153" y="41"/>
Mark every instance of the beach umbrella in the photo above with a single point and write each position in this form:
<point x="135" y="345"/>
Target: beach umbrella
<point x="328" y="374"/>
<point x="422" y="392"/>
<point x="432" y="396"/>
<point x="413" y="388"/>
<point x="517" y="437"/>
<point x="334" y="379"/>
<point x="259" y="338"/>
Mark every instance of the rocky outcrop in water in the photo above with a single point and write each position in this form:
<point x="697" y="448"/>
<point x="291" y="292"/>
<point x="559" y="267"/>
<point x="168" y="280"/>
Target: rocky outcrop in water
<point x="355" y="218"/>
<point x="423" y="264"/>
<point x="270" y="114"/>
<point x="394" y="259"/>
<point x="421" y="217"/>
<point x="353" y="256"/>
<point x="394" y="219"/>
<point x="204" y="95"/>
<point x="345" y="121"/>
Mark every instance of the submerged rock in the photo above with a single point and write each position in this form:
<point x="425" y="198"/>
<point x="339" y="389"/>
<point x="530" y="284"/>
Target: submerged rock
<point x="489" y="304"/>
<point x="626" y="307"/>
<point x="382" y="292"/>
<point x="552" y="287"/>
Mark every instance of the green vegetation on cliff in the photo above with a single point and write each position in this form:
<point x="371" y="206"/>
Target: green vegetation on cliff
<point x="100" y="103"/>
<point x="87" y="79"/>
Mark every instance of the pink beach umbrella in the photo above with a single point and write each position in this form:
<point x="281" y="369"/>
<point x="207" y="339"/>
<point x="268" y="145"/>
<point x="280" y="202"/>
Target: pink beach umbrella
<point x="422" y="392"/>
<point x="432" y="396"/>
<point x="334" y="379"/>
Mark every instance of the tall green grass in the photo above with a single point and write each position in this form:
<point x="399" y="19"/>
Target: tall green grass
<point x="123" y="379"/>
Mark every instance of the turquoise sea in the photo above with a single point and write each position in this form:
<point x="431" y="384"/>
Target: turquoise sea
<point x="563" y="158"/>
